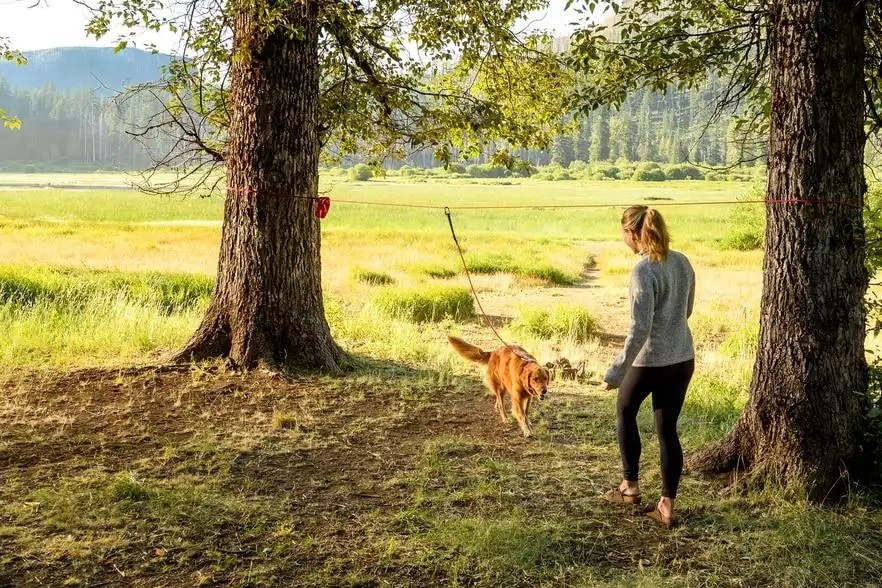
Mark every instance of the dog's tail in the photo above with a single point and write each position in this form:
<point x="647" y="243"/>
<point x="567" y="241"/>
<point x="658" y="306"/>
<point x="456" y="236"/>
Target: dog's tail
<point x="469" y="351"/>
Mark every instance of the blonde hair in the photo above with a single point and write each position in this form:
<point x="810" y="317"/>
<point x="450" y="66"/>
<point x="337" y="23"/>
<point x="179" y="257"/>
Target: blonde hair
<point x="652" y="232"/>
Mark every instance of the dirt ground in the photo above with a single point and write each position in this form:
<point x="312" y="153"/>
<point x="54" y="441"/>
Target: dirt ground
<point x="321" y="450"/>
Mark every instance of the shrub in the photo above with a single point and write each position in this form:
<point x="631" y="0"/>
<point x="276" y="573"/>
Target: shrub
<point x="562" y="175"/>
<point x="746" y="239"/>
<point x="425" y="304"/>
<point x="523" y="168"/>
<point x="649" y="172"/>
<point x="457" y="168"/>
<point x="607" y="170"/>
<point x="561" y="322"/>
<point x="747" y="224"/>
<point x="683" y="171"/>
<point x="487" y="170"/>
<point x="577" y="166"/>
<point x="551" y="169"/>
<point x="360" y="173"/>
<point x="332" y="171"/>
<point x="649" y="175"/>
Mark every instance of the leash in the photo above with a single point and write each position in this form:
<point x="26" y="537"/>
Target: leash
<point x="466" y="269"/>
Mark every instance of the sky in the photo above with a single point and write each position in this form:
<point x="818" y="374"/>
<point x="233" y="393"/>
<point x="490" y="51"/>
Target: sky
<point x="61" y="23"/>
<point x="54" y="23"/>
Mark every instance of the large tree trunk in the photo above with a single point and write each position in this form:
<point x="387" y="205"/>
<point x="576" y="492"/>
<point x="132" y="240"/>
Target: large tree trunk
<point x="267" y="303"/>
<point x="802" y="423"/>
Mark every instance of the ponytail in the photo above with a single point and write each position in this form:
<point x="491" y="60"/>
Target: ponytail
<point x="651" y="230"/>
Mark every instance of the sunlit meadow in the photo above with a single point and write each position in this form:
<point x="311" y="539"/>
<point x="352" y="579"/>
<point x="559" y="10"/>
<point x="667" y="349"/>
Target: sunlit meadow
<point x="398" y="473"/>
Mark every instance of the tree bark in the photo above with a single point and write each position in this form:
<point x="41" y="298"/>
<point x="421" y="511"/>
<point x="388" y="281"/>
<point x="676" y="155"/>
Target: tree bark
<point x="802" y="424"/>
<point x="267" y="303"/>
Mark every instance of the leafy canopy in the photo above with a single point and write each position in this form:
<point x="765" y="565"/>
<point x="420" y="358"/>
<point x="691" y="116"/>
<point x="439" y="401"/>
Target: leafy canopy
<point x="680" y="43"/>
<point x="9" y="54"/>
<point x="394" y="74"/>
<point x="660" y="44"/>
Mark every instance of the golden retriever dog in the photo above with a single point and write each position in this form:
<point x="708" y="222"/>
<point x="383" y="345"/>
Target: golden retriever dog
<point x="513" y="371"/>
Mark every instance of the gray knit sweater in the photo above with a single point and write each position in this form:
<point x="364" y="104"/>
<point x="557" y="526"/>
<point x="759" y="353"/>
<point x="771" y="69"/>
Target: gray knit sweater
<point x="661" y="295"/>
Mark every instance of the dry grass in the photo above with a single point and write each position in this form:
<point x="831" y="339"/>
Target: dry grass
<point x="386" y="477"/>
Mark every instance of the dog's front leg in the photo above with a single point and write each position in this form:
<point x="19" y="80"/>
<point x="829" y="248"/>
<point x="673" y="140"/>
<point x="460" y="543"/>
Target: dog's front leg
<point x="500" y="408"/>
<point x="517" y="409"/>
<point x="499" y="391"/>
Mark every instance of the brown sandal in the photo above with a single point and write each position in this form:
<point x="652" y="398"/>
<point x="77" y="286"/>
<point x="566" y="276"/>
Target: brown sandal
<point x="616" y="496"/>
<point x="655" y="514"/>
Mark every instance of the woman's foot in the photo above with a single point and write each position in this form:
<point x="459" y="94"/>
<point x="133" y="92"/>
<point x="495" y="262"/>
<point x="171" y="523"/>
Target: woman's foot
<point x="663" y="512"/>
<point x="627" y="493"/>
<point x="629" y="488"/>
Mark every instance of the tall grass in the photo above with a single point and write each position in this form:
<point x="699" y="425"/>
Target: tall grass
<point x="492" y="263"/>
<point x="372" y="277"/>
<point x="60" y="316"/>
<point x="560" y="322"/>
<point x="169" y="293"/>
<point x="425" y="304"/>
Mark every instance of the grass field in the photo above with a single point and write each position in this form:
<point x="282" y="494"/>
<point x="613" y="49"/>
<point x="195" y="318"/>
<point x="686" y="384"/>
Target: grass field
<point x="116" y="472"/>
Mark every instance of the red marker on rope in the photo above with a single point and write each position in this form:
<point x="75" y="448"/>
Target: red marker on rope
<point x="322" y="205"/>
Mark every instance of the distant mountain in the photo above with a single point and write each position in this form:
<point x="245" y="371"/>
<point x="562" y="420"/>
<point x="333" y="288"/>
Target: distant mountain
<point x="75" y="68"/>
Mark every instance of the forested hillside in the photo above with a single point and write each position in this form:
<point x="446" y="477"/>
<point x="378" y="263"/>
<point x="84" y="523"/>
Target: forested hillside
<point x="78" y="68"/>
<point x="71" y="120"/>
<point x="651" y="126"/>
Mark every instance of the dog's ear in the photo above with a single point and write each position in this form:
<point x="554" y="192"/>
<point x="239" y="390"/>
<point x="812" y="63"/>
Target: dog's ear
<point x="549" y="374"/>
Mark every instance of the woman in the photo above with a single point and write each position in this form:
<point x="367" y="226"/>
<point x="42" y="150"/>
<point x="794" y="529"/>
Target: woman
<point x="658" y="357"/>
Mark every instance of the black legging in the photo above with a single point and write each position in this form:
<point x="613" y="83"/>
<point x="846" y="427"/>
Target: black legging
<point x="668" y="387"/>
